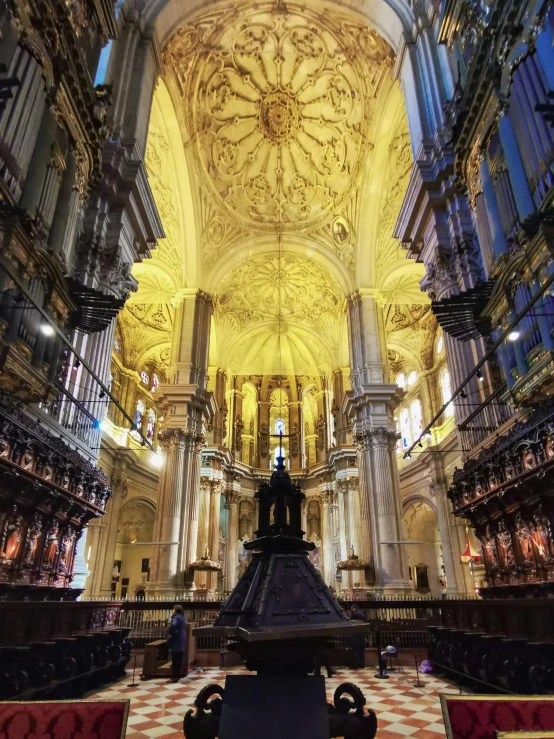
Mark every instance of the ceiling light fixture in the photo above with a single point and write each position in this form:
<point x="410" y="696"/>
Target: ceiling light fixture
<point x="46" y="329"/>
<point x="480" y="376"/>
<point x="513" y="335"/>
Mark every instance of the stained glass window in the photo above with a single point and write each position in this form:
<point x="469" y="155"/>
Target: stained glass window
<point x="412" y="377"/>
<point x="150" y="424"/>
<point x="446" y="393"/>
<point x="155" y="383"/>
<point x="139" y="415"/>
<point x="145" y="377"/>
<point x="405" y="429"/>
<point x="279" y="426"/>
<point x="401" y="380"/>
<point x="417" y="421"/>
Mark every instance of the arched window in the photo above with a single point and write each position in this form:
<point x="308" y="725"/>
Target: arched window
<point x="401" y="380"/>
<point x="150" y="424"/>
<point x="446" y="393"/>
<point x="155" y="383"/>
<point x="398" y="444"/>
<point x="145" y="377"/>
<point x="405" y="429"/>
<point x="139" y="414"/>
<point x="279" y="427"/>
<point x="417" y="420"/>
<point x="438" y="345"/>
<point x="412" y="377"/>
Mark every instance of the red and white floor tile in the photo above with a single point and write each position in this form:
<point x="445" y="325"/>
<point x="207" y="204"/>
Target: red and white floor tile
<point x="157" y="707"/>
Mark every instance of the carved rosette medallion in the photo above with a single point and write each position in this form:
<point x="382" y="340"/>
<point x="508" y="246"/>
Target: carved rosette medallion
<point x="278" y="106"/>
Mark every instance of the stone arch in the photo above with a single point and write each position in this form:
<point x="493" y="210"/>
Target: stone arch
<point x="424" y="554"/>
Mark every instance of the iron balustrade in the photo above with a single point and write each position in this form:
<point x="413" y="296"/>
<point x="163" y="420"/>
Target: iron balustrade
<point x="485" y="420"/>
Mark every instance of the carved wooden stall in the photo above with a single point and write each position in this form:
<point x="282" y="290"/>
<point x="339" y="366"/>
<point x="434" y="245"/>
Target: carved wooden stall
<point x="48" y="494"/>
<point x="507" y="494"/>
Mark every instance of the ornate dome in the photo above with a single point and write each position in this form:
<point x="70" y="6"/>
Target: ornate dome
<point x="278" y="107"/>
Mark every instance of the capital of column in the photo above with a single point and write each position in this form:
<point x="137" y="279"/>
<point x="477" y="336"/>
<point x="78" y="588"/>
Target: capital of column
<point x="176" y="438"/>
<point x="383" y="437"/>
<point x="231" y="498"/>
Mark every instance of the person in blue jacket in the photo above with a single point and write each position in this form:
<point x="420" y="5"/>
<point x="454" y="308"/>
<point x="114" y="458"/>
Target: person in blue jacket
<point x="176" y="641"/>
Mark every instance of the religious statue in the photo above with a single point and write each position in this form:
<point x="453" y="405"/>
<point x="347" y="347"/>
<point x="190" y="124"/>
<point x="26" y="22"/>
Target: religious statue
<point x="239" y="427"/>
<point x="66" y="546"/>
<point x="264" y="440"/>
<point x="51" y="547"/>
<point x="320" y="427"/>
<point x="65" y="481"/>
<point x="505" y="545"/>
<point x="80" y="490"/>
<point x="31" y="542"/>
<point x="5" y="447"/>
<point x="11" y="536"/>
<point x="28" y="459"/>
<point x="47" y="472"/>
<point x="493" y="480"/>
<point x="490" y="548"/>
<point x="523" y="533"/>
<point x="542" y="535"/>
<point x="315" y="555"/>
<point x="294" y="441"/>
<point x="528" y="460"/>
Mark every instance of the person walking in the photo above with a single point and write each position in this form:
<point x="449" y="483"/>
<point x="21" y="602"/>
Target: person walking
<point x="358" y="640"/>
<point x="176" y="641"/>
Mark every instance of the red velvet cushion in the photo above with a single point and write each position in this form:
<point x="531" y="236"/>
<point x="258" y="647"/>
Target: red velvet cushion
<point x="63" y="720"/>
<point x="481" y="716"/>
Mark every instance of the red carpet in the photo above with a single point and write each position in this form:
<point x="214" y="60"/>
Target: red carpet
<point x="481" y="716"/>
<point x="64" y="720"/>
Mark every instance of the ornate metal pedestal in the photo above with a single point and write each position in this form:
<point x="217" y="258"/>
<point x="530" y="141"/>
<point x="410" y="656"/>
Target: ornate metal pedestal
<point x="280" y="618"/>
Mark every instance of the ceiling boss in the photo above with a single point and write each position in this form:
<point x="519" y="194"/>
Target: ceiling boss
<point x="278" y="107"/>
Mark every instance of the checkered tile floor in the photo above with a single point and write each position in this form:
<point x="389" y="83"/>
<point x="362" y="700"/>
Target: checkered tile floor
<point x="158" y="707"/>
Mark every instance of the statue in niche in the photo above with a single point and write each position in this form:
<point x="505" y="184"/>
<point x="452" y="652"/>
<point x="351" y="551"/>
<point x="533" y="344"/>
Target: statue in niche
<point x="31" y="543"/>
<point x="549" y="446"/>
<point x="51" y="547"/>
<point x="11" y="536"/>
<point x="66" y="546"/>
<point x="239" y="427"/>
<point x="5" y="447"/>
<point x="264" y="440"/>
<point x="490" y="548"/>
<point x="28" y="459"/>
<point x="244" y="557"/>
<point x="528" y="460"/>
<point x="523" y="533"/>
<point x="80" y="490"/>
<point x="493" y="480"/>
<point x="320" y="430"/>
<point x="294" y="441"/>
<point x="505" y="545"/>
<point x="65" y="481"/>
<point x="47" y="472"/>
<point x="509" y="469"/>
<point x="542" y="535"/>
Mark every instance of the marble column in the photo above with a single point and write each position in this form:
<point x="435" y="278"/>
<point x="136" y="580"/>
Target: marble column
<point x="216" y="488"/>
<point x="231" y="562"/>
<point x="493" y="212"/>
<point x="294" y="441"/>
<point x="516" y="170"/>
<point x="118" y="484"/>
<point x="327" y="538"/>
<point x="203" y="525"/>
<point x="450" y="546"/>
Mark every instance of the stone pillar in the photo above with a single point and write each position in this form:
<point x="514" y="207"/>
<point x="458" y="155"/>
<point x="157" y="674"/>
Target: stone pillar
<point x="327" y="538"/>
<point x="516" y="170"/>
<point x="370" y="406"/>
<point x="187" y="404"/>
<point x="107" y="547"/>
<point x="232" y="505"/>
<point x="450" y="545"/>
<point x="493" y="212"/>
<point x="294" y="435"/>
<point x="215" y="508"/>
<point x="203" y="524"/>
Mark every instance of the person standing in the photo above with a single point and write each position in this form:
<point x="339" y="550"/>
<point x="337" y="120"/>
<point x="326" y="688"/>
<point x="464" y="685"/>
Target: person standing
<point x="358" y="640"/>
<point x="176" y="641"/>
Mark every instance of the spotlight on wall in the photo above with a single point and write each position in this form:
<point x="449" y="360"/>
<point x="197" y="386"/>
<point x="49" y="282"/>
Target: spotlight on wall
<point x="480" y="376"/>
<point x="427" y="435"/>
<point x="46" y="329"/>
<point x="513" y="336"/>
<point x="76" y="365"/>
<point x="156" y="460"/>
<point x="407" y="455"/>
<point x="101" y="394"/>
<point x="104" y="425"/>
<point x="463" y="394"/>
